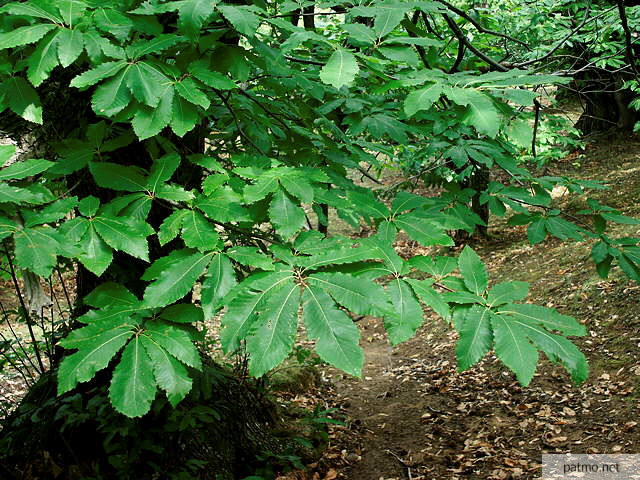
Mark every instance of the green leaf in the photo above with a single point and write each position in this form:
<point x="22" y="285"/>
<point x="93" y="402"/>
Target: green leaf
<point x="223" y="205"/>
<point x="184" y="118"/>
<point x="176" y="341"/>
<point x="356" y="295"/>
<point x="252" y="257"/>
<point x="423" y="231"/>
<point x="243" y="307"/>
<point x="212" y="182"/>
<point x="422" y="99"/>
<point x="203" y="72"/>
<point x="36" y="249"/>
<point x="481" y="113"/>
<point x="360" y="33"/>
<point x="148" y="121"/>
<point x="174" y="193"/>
<point x="368" y="204"/>
<point x="520" y="96"/>
<point x="112" y="22"/>
<point x="402" y="324"/>
<point x="124" y="234"/>
<point x="264" y="186"/>
<point x="161" y="264"/>
<point x="615" y="217"/>
<point x="112" y="96"/>
<point x="7" y="152"/>
<point x="388" y="18"/>
<point x="7" y="227"/>
<point x="438" y="267"/>
<point x="475" y="337"/>
<point x="473" y="271"/>
<point x="298" y="186"/>
<point x="218" y="281"/>
<point x="162" y="170"/>
<point x="73" y="230"/>
<point x="198" y="232"/>
<point x="117" y="177"/>
<point x="170" y="375"/>
<point x="133" y="386"/>
<point x="188" y="89"/>
<point x="336" y="335"/>
<point x="548" y="318"/>
<point x="286" y="216"/>
<point x="71" y="11"/>
<point x="70" y="46"/>
<point x="536" y="232"/>
<point x="430" y="297"/>
<point x="51" y="213"/>
<point x="96" y="255"/>
<point x="461" y="297"/>
<point x="242" y="19"/>
<point x="559" y="227"/>
<point x="146" y="83"/>
<point x="176" y="280"/>
<point x="520" y="132"/>
<point x="95" y="354"/>
<point x="340" y="70"/>
<point x="156" y="45"/>
<point x="507" y="292"/>
<point x="31" y="10"/>
<point x="88" y="206"/>
<point x="24" y="35"/>
<point x="559" y="349"/>
<point x="34" y="194"/>
<point x="183" y="313"/>
<point x="95" y="75"/>
<point x="110" y="294"/>
<point x="192" y="14"/>
<point x="23" y="100"/>
<point x="24" y="169"/>
<point x="514" y="349"/>
<point x="421" y="41"/>
<point x="44" y="59"/>
<point x="400" y="53"/>
<point x="170" y="227"/>
<point x="274" y="338"/>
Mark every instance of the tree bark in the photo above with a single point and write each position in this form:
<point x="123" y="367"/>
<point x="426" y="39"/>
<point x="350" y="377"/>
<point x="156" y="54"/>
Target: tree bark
<point x="605" y="103"/>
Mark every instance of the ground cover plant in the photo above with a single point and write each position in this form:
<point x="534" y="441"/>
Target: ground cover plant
<point x="185" y="160"/>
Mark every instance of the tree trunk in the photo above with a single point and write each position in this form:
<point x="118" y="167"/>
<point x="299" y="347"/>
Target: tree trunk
<point x="479" y="182"/>
<point x="605" y="103"/>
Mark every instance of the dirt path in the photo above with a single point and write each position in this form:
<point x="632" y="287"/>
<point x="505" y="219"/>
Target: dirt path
<point x="414" y="417"/>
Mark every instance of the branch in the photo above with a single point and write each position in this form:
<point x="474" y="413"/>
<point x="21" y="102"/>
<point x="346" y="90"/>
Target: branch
<point x="459" y="57"/>
<point x="479" y="27"/>
<point x="567" y="37"/>
<point x="462" y="38"/>
<point x="237" y="122"/>
<point x="303" y="60"/>
<point x="627" y="37"/>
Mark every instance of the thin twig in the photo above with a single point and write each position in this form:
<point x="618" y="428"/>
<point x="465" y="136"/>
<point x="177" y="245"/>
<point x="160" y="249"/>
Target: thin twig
<point x="627" y="37"/>
<point x="462" y="37"/>
<point x="237" y="122"/>
<point x="14" y="278"/>
<point x="479" y="27"/>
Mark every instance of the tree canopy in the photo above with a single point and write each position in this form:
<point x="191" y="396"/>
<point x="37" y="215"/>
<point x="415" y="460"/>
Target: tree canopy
<point x="214" y="143"/>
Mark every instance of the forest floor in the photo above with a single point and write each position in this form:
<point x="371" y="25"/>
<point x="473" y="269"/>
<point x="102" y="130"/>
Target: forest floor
<point x="413" y="416"/>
